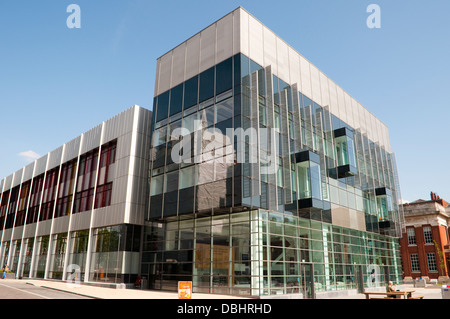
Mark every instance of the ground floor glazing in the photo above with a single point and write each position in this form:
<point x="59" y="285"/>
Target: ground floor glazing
<point x="259" y="253"/>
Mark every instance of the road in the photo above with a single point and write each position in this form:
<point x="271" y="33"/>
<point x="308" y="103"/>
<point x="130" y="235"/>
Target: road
<point x="22" y="290"/>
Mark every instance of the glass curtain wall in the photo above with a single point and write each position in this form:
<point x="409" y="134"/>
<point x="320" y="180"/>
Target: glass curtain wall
<point x="262" y="253"/>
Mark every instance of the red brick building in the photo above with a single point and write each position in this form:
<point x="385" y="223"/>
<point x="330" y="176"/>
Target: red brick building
<point x="425" y="245"/>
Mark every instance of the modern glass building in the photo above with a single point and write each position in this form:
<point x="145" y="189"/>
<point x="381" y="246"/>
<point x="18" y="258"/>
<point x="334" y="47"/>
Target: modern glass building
<point x="266" y="177"/>
<point x="255" y="175"/>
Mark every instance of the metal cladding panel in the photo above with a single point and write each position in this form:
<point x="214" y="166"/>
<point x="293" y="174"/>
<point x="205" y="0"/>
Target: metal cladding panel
<point x="28" y="172"/>
<point x="282" y="60"/>
<point x="44" y="228"/>
<point x="60" y="224"/>
<point x="2" y="182"/>
<point x="124" y="145"/>
<point x="111" y="215"/>
<point x="80" y="221"/>
<point x="294" y="68"/>
<point x="165" y="72"/>
<point x="255" y="34"/>
<point x="178" y="64"/>
<point x="8" y="182"/>
<point x="91" y="139"/>
<point x="334" y="105"/>
<point x="41" y="165"/>
<point x="30" y="230"/>
<point x="72" y="149"/>
<point x="17" y="179"/>
<point x="17" y="234"/>
<point x="119" y="125"/>
<point x="306" y="77"/>
<point x="192" y="57"/>
<point x="55" y="158"/>
<point x="244" y="33"/>
<point x="224" y="42"/>
<point x="120" y="190"/>
<point x="6" y="236"/>
<point x="207" y="48"/>
<point x="315" y="84"/>
<point x="236" y="32"/>
<point x="325" y="90"/>
<point x="270" y="50"/>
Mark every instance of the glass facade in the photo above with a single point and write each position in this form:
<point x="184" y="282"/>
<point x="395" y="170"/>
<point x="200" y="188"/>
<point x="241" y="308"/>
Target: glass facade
<point x="247" y="177"/>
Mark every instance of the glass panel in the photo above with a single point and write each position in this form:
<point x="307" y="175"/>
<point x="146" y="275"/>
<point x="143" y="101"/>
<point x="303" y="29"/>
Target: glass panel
<point x="162" y="107"/>
<point x="206" y="85"/>
<point x="176" y="99"/>
<point x="190" y="92"/>
<point x="224" y="74"/>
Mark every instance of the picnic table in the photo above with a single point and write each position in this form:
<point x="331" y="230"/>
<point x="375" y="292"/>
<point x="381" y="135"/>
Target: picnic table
<point x="406" y="294"/>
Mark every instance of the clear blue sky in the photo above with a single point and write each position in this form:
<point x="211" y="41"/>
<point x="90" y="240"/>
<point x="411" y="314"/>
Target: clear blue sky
<point x="56" y="82"/>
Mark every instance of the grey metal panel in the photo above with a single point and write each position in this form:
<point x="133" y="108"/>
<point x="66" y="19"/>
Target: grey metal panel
<point x="28" y="172"/>
<point x="107" y="216"/>
<point x="60" y="225"/>
<point x="80" y="221"/>
<point x="119" y="190"/>
<point x="17" y="233"/>
<point x="7" y="234"/>
<point x="17" y="179"/>
<point x="72" y="149"/>
<point x="30" y="230"/>
<point x="44" y="228"/>
<point x="8" y="182"/>
<point x="91" y="139"/>
<point x="55" y="158"/>
<point x="119" y="125"/>
<point x="41" y="165"/>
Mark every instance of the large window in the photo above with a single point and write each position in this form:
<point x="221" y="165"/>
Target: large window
<point x="3" y="208"/>
<point x="106" y="175"/>
<point x="12" y="207"/>
<point x="86" y="182"/>
<point x="66" y="188"/>
<point x="22" y="207"/>
<point x="411" y="236"/>
<point x="48" y="200"/>
<point x="428" y="236"/>
<point x="35" y="199"/>
<point x="415" y="267"/>
<point x="431" y="259"/>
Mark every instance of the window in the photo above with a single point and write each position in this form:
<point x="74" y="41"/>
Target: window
<point x="411" y="236"/>
<point x="66" y="188"/>
<point x="106" y="175"/>
<point x="35" y="199"/>
<point x="415" y="263"/>
<point x="156" y="186"/>
<point x="206" y="85"/>
<point x="162" y="107"/>
<point x="431" y="259"/>
<point x="48" y="200"/>
<point x="21" y="209"/>
<point x="86" y="182"/>
<point x="191" y="92"/>
<point x="188" y="177"/>
<point x="224" y="76"/>
<point x="176" y="99"/>
<point x="427" y="235"/>
<point x="3" y="207"/>
<point x="12" y="207"/>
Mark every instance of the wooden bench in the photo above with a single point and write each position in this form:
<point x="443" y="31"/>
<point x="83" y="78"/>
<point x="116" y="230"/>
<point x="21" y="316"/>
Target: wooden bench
<point x="406" y="294"/>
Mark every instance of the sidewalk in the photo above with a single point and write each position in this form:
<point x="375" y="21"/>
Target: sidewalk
<point x="430" y="292"/>
<point x="111" y="293"/>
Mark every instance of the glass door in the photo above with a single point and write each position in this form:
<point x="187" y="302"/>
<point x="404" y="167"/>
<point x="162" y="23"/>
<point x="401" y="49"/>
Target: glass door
<point x="307" y="281"/>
